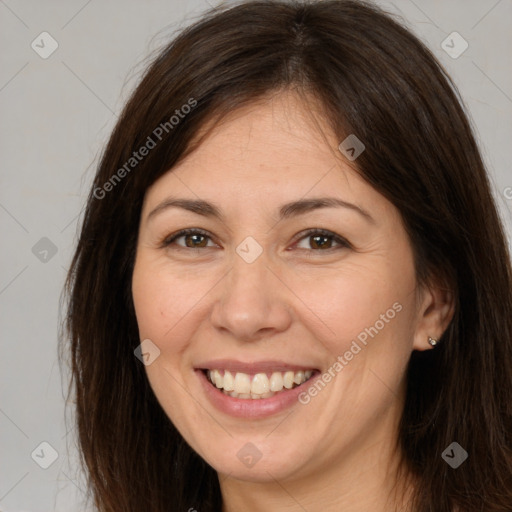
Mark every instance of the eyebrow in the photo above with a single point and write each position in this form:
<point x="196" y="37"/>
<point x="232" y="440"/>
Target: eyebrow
<point x="286" y="211"/>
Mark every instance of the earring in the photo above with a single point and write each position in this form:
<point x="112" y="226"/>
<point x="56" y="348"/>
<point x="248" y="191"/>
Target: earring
<point x="432" y="341"/>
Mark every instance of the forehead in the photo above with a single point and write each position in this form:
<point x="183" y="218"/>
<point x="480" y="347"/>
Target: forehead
<point x="272" y="151"/>
<point x="277" y="130"/>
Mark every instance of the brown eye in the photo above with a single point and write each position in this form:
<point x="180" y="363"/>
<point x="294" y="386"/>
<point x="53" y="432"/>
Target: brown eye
<point x="320" y="240"/>
<point x="193" y="239"/>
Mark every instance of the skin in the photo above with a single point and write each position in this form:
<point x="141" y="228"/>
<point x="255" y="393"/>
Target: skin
<point x="337" y="452"/>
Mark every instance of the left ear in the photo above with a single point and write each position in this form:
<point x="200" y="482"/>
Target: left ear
<point x="436" y="307"/>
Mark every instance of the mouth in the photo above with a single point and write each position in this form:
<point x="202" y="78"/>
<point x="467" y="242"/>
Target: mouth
<point x="256" y="386"/>
<point x="253" y="390"/>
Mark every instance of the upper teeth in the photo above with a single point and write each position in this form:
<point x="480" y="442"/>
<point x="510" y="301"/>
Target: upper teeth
<point x="242" y="386"/>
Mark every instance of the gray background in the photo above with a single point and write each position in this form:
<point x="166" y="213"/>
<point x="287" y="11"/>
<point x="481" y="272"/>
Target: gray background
<point x="56" y="115"/>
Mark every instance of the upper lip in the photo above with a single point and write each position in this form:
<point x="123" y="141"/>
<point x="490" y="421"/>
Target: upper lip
<point x="233" y="365"/>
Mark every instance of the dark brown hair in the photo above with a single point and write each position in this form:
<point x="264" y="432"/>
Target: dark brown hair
<point x="372" y="78"/>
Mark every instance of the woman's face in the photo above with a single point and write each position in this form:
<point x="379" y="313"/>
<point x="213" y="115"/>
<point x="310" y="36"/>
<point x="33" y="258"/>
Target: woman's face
<point x="262" y="304"/>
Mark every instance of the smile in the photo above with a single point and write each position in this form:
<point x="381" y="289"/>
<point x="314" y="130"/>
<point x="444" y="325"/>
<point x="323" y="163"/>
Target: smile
<point x="260" y="385"/>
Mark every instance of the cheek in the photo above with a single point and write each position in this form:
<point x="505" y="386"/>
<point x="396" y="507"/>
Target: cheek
<point x="164" y="307"/>
<point x="357" y="302"/>
<point x="163" y="300"/>
<point x="372" y="320"/>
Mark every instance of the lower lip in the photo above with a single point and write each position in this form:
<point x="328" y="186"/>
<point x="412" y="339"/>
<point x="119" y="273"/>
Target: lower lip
<point x="252" y="408"/>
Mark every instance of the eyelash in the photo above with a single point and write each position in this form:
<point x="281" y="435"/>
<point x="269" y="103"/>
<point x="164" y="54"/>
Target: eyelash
<point x="305" y="234"/>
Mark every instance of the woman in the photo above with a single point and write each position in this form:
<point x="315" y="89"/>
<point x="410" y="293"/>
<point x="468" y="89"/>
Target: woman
<point x="292" y="289"/>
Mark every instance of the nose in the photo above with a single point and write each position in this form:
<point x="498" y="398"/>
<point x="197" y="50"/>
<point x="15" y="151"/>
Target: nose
<point x="252" y="301"/>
